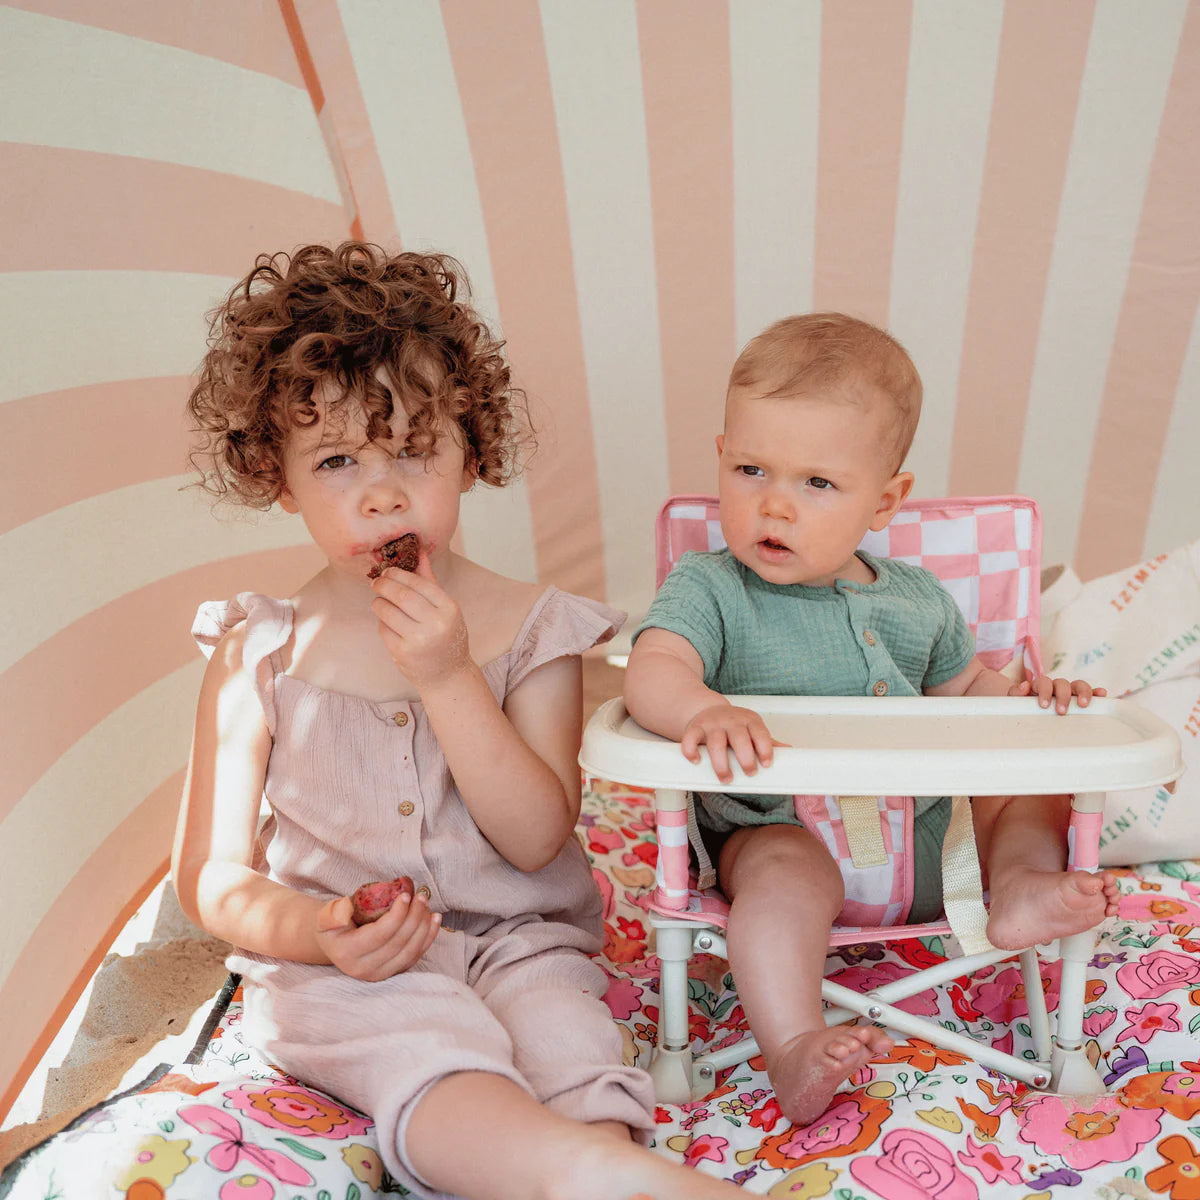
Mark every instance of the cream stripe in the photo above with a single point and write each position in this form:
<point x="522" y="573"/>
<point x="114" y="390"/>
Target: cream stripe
<point x="775" y="50"/>
<point x="84" y="88"/>
<point x="1173" y="520"/>
<point x="595" y="75"/>
<point x="79" y="557"/>
<point x="1121" y="102"/>
<point x="403" y="64"/>
<point x="149" y="736"/>
<point x="124" y="325"/>
<point x="951" y="72"/>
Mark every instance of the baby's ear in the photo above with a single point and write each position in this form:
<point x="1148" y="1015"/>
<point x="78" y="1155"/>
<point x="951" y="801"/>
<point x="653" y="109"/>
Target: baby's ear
<point x="894" y="493"/>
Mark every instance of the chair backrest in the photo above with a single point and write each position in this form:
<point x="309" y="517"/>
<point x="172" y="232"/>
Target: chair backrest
<point x="986" y="550"/>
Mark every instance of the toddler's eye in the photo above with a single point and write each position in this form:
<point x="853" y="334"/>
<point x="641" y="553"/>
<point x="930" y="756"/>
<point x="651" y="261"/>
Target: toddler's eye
<point x="820" y="484"/>
<point x="752" y="471"/>
<point x="333" y="462"/>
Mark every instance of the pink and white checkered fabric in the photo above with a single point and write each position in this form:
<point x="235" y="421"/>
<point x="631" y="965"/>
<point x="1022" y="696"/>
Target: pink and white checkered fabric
<point x="985" y="550"/>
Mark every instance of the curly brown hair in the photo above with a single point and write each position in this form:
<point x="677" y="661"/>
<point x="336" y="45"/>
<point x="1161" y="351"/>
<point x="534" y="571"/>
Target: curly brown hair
<point x="339" y="314"/>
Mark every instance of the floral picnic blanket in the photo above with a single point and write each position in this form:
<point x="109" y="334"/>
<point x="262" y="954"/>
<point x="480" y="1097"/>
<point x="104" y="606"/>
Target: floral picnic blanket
<point x="923" y="1123"/>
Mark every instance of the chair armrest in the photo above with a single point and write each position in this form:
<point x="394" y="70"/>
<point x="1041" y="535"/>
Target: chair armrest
<point x="909" y="746"/>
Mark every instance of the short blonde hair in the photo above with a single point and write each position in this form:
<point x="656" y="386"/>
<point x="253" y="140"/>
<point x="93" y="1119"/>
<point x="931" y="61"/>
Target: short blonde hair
<point x="816" y="351"/>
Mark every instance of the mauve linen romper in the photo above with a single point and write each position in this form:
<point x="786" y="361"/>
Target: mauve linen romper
<point x="360" y="791"/>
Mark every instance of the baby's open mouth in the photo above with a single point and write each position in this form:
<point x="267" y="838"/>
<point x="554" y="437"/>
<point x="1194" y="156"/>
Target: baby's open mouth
<point x="772" y="544"/>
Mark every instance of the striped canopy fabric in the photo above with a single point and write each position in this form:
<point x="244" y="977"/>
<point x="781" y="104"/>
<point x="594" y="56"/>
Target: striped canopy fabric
<point x="635" y="187"/>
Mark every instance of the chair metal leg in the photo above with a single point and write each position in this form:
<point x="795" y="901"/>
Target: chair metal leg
<point x="1070" y="1069"/>
<point x="671" y="1067"/>
<point x="1035" y="999"/>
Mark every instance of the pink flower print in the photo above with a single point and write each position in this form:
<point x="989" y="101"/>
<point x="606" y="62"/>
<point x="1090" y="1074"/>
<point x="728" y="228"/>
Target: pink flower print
<point x="607" y="894"/>
<point x="623" y="997"/>
<point x="602" y="839"/>
<point x="705" y="1146"/>
<point x="1157" y="973"/>
<point x="1002" y="998"/>
<point x="1098" y="1020"/>
<point x="849" y="1125"/>
<point x="1149" y="907"/>
<point x="296" y="1109"/>
<point x="247" y="1187"/>
<point x="1086" y="1130"/>
<point x="866" y="977"/>
<point x="913" y="1166"/>
<point x="1148" y="1020"/>
<point x="231" y="1148"/>
<point x="990" y="1163"/>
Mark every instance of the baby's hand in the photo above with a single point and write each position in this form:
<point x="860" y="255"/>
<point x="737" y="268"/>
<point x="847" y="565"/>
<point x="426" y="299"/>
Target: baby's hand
<point x="420" y="623"/>
<point x="723" y="727"/>
<point x="383" y="948"/>
<point x="1058" y="690"/>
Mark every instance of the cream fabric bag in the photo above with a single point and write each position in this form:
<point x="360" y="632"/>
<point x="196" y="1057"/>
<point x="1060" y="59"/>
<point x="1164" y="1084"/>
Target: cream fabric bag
<point x="1137" y="633"/>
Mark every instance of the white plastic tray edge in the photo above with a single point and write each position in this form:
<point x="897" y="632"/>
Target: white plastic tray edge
<point x="1134" y="748"/>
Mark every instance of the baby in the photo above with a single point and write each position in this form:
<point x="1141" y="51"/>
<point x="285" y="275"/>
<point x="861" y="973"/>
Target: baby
<point x="819" y="415"/>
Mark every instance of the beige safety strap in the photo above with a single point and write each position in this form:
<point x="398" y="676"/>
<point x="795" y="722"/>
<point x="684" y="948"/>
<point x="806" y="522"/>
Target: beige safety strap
<point x="864" y="831"/>
<point x="962" y="887"/>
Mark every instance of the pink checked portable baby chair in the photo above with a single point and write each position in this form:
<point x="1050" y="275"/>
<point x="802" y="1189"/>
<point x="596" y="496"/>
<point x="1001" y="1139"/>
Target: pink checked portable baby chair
<point x="860" y="755"/>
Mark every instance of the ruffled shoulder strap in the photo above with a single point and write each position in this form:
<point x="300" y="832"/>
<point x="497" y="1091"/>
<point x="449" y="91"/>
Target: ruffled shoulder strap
<point x="268" y="627"/>
<point x="560" y="623"/>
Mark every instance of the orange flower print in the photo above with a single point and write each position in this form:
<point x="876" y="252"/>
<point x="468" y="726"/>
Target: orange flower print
<point x="1086" y="1125"/>
<point x="1179" y="1177"/>
<point x="298" y="1110"/>
<point x="1176" y="1091"/>
<point x="850" y="1124"/>
<point x="923" y="1056"/>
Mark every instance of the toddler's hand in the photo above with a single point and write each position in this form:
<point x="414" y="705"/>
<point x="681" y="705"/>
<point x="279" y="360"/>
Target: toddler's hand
<point x="1059" y="690"/>
<point x="422" y="626"/>
<point x="724" y="727"/>
<point x="383" y="948"/>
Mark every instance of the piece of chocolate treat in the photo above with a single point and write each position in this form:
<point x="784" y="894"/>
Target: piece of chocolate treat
<point x="404" y="552"/>
<point x="372" y="900"/>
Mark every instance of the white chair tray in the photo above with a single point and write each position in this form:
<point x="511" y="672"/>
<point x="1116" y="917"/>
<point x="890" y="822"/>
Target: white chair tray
<point x="908" y="745"/>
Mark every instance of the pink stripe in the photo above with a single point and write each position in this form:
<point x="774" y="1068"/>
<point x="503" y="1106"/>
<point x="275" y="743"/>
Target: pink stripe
<point x="689" y="134"/>
<point x="864" y="74"/>
<point x="1043" y="48"/>
<point x="45" y="718"/>
<point x="1150" y="345"/>
<point x="99" y="455"/>
<point x="499" y="60"/>
<point x="664" y="816"/>
<point x="324" y="53"/>
<point x="1083" y="840"/>
<point x="75" y="210"/>
<point x="63" y="952"/>
<point x="245" y="35"/>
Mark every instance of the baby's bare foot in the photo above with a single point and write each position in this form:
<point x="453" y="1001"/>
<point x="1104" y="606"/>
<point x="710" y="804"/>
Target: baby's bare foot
<point x="806" y="1073"/>
<point x="1032" y="906"/>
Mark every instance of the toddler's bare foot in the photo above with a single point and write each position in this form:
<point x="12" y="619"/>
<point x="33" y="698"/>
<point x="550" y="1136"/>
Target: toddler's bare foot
<point x="808" y="1070"/>
<point x="1031" y="906"/>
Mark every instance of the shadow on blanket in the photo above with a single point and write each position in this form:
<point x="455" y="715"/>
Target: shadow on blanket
<point x="923" y="1123"/>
